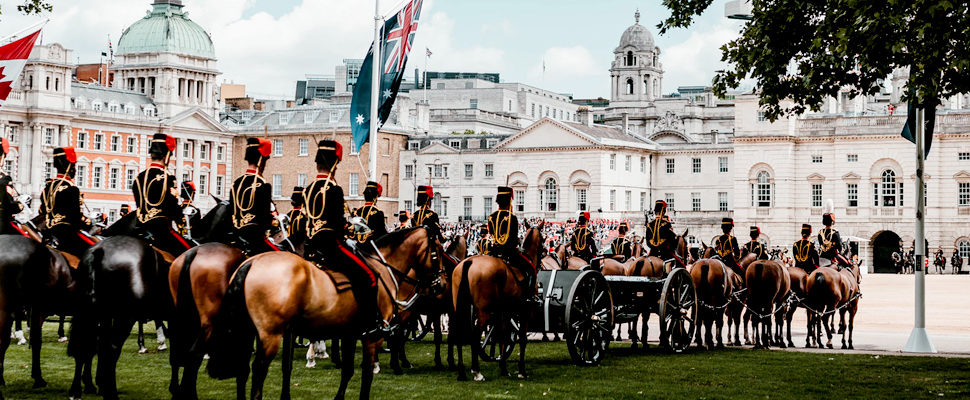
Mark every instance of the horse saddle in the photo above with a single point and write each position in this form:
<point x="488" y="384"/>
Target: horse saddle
<point x="72" y="261"/>
<point x="340" y="281"/>
<point x="824" y="262"/>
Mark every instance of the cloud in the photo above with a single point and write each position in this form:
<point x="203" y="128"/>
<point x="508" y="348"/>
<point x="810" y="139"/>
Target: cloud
<point x="694" y="60"/>
<point x="503" y="27"/>
<point x="437" y="34"/>
<point x="566" y="66"/>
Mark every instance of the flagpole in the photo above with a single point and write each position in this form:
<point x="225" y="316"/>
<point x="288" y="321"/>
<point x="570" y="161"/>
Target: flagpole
<point x="919" y="340"/>
<point x="426" y="57"/>
<point x="375" y="91"/>
<point x="35" y="26"/>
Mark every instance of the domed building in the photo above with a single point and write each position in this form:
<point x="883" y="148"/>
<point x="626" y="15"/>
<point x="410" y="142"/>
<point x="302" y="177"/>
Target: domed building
<point x="636" y="73"/>
<point x="169" y="58"/>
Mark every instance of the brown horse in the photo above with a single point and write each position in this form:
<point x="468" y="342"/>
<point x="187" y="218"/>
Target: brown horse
<point x="714" y="283"/>
<point x="829" y="291"/>
<point x="613" y="266"/>
<point x="768" y="286"/>
<point x="736" y="315"/>
<point x="851" y="279"/>
<point x="799" y="282"/>
<point x="274" y="296"/>
<point x="489" y="292"/>
<point x="573" y="263"/>
<point x="653" y="267"/>
<point x="197" y="281"/>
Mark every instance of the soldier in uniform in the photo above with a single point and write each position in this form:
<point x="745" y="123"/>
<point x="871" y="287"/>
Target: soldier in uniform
<point x="621" y="247"/>
<point x="156" y="199"/>
<point x="483" y="244"/>
<point x="9" y="206"/>
<point x="402" y="219"/>
<point x="326" y="229"/>
<point x="188" y="195"/>
<point x="755" y="246"/>
<point x="956" y="261"/>
<point x="503" y="225"/>
<point x="830" y="242"/>
<point x="660" y="235"/>
<point x="61" y="204"/>
<point x="124" y="210"/>
<point x="804" y="252"/>
<point x="252" y="201"/>
<point x="373" y="216"/>
<point x="582" y="242"/>
<point x="296" y="220"/>
<point x="726" y="246"/>
<point x="425" y="216"/>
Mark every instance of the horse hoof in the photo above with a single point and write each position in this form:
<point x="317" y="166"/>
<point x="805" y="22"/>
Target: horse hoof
<point x="90" y="389"/>
<point x="406" y="364"/>
<point x="40" y="383"/>
<point x="791" y="344"/>
<point x="452" y="368"/>
<point x="851" y="347"/>
<point x="505" y="374"/>
<point x="479" y="377"/>
<point x="829" y="346"/>
<point x="62" y="339"/>
<point x="142" y="350"/>
<point x="782" y="345"/>
<point x="720" y="346"/>
<point x="545" y="338"/>
<point x="377" y="368"/>
<point x="808" y="346"/>
<point x="398" y="371"/>
<point x="634" y="346"/>
<point x="844" y="346"/>
<point x="311" y="364"/>
<point x="162" y="347"/>
<point x="522" y="375"/>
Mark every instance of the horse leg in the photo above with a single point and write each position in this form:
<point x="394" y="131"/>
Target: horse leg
<point x="809" y="326"/>
<point x="113" y="331"/>
<point x="36" y="325"/>
<point x="347" y="370"/>
<point x="267" y="345"/>
<point x="503" y="363"/>
<point x="141" y="338"/>
<point x="367" y="360"/>
<point x="160" y="335"/>
<point x="719" y="321"/>
<point x="852" y="312"/>
<point x="61" y="337"/>
<point x="829" y="331"/>
<point x="476" y="333"/>
<point x="523" y="340"/>
<point x="5" y="325"/>
<point x="461" y="359"/>
<point x="288" y="339"/>
<point x="336" y="357"/>
<point x="436" y="324"/>
<point x="745" y="319"/>
<point x="643" y="330"/>
<point x="396" y="343"/>
<point x="789" y="314"/>
<point x="701" y="319"/>
<point x="709" y="329"/>
<point x="766" y="328"/>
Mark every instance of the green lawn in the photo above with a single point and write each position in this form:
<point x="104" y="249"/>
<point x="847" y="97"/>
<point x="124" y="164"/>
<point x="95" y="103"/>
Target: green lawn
<point x="625" y="373"/>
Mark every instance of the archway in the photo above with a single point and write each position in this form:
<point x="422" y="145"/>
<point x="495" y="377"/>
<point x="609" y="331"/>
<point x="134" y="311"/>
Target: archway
<point x="884" y="244"/>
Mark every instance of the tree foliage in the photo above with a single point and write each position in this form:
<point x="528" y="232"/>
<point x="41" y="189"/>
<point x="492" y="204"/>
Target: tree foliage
<point x="30" y="7"/>
<point x="806" y="50"/>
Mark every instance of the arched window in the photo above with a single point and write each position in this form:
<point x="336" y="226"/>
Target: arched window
<point x="629" y="59"/>
<point x="887" y="190"/>
<point x="964" y="248"/>
<point x="629" y="86"/>
<point x="436" y="204"/>
<point x="763" y="190"/>
<point x="551" y="195"/>
<point x="646" y="86"/>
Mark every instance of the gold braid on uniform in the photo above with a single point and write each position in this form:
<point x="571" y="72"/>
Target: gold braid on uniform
<point x="501" y="237"/>
<point x="580" y="239"/>
<point x="801" y="250"/>
<point x="323" y="204"/>
<point x="826" y="239"/>
<point x="724" y="245"/>
<point x="145" y="202"/>
<point x="655" y="239"/>
<point x="57" y="185"/>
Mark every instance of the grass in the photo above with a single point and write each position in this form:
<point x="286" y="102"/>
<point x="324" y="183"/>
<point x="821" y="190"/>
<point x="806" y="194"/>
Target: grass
<point x="625" y="373"/>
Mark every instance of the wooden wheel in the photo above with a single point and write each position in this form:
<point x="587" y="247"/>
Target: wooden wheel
<point x="678" y="310"/>
<point x="589" y="318"/>
<point x="491" y="347"/>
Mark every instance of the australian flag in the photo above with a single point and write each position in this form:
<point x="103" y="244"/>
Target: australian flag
<point x="397" y="37"/>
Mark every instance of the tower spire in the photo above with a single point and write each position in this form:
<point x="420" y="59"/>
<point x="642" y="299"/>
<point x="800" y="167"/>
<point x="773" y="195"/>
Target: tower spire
<point x="637" y="15"/>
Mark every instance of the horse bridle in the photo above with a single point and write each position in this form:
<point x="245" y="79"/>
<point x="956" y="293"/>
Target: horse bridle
<point x="419" y="284"/>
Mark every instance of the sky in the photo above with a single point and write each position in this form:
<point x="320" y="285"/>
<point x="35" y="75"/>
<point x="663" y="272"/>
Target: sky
<point x="270" y="44"/>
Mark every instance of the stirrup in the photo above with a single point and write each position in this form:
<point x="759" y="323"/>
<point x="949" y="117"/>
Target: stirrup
<point x="380" y="331"/>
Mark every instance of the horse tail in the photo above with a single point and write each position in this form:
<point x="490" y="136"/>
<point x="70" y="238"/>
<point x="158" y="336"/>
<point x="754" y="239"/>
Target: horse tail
<point x="84" y="324"/>
<point x="638" y="266"/>
<point x="704" y="286"/>
<point x="186" y="319"/>
<point x="232" y="339"/>
<point x="462" y="324"/>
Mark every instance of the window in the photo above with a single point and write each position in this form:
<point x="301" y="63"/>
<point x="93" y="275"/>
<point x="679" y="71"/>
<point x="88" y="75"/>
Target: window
<point x="695" y="201"/>
<point x="203" y="184"/>
<point x="455" y="144"/>
<point x="115" y="143"/>
<point x="670" y="165"/>
<point x="489" y="170"/>
<point x="49" y="136"/>
<point x="722" y="201"/>
<point x="187" y="176"/>
<point x="130" y="178"/>
<point x="763" y="190"/>
<point x="964" y="249"/>
<point x="98" y="141"/>
<point x="48" y="170"/>
<point x="285" y="118"/>
<point x="669" y="198"/>
<point x="97" y="106"/>
<point x="277" y="185"/>
<point x="469" y="170"/>
<point x="301" y="180"/>
<point x="629" y="201"/>
<point x="612" y="200"/>
<point x="408" y="172"/>
<point x="964" y="157"/>
<point x="219" y="184"/>
<point x="964" y="194"/>
<point x="643" y="164"/>
<point x="96" y="177"/>
<point x="308" y="117"/>
<point x="629" y="161"/>
<point x="220" y="153"/>
<point x="490" y="143"/>
<point x="204" y="151"/>
<point x="888" y="189"/>
<point x="520" y="200"/>
<point x="354" y="183"/>
<point x="581" y="199"/>
<point x="855" y="157"/>
<point x="761" y="116"/>
<point x="414" y="145"/>
<point x="82" y="140"/>
<point x="722" y="164"/>
<point x="852" y="194"/>
<point x="695" y="165"/>
<point x="488" y="205"/>
<point x="187" y="150"/>
<point x="407" y="205"/>
<point x="12" y="134"/>
<point x="551" y="193"/>
<point x="816" y="159"/>
<point x="643" y="201"/>
<point x="437" y="171"/>
<point x="473" y="103"/>
<point x="277" y="147"/>
<point x="334" y="117"/>
<point x="467" y="207"/>
<point x="80" y="177"/>
<point x="132" y="144"/>
<point x="816" y="195"/>
<point x="533" y="110"/>
<point x="436" y="203"/>
<point x="304" y="147"/>
<point x="612" y="162"/>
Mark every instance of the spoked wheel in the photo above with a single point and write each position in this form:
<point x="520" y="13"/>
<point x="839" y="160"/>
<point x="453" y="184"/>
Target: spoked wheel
<point x="589" y="318"/>
<point x="418" y="328"/>
<point x="491" y="347"/>
<point x="678" y="310"/>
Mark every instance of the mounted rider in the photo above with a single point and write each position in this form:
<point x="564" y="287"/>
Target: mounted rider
<point x="327" y="230"/>
<point x="754" y="246"/>
<point x="9" y="206"/>
<point x="938" y="259"/>
<point x="156" y="199"/>
<point x="61" y="204"/>
<point x="621" y="247"/>
<point x="124" y="210"/>
<point x="252" y="201"/>
<point x="373" y="216"/>
<point x="503" y="226"/>
<point x="425" y="216"/>
<point x="956" y="261"/>
<point x="483" y="243"/>
<point x="402" y="219"/>
<point x="660" y="235"/>
<point x="804" y="251"/>
<point x="726" y="246"/>
<point x="296" y="220"/>
<point x="582" y="243"/>
<point x="191" y="216"/>
<point x="830" y="243"/>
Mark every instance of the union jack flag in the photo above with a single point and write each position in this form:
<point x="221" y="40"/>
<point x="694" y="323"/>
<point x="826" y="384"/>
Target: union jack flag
<point x="400" y="38"/>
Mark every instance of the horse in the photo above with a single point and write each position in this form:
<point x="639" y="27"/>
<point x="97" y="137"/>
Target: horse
<point x="36" y="279"/>
<point x="799" y="282"/>
<point x="768" y="286"/>
<point x="736" y="315"/>
<point x="715" y="286"/>
<point x="275" y="296"/>
<point x="830" y="290"/>
<point x="653" y="267"/>
<point x="568" y="262"/>
<point x="851" y="279"/>
<point x="121" y="280"/>
<point x="488" y="292"/>
<point x="612" y="266"/>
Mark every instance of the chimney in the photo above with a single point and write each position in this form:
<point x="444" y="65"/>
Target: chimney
<point x="585" y="114"/>
<point x="626" y="122"/>
<point x="423" y="112"/>
<point x="714" y="136"/>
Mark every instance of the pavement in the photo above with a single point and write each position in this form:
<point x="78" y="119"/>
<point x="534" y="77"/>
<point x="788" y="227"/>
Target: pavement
<point x="886" y="316"/>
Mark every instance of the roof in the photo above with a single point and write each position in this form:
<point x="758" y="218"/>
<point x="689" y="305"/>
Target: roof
<point x="108" y="95"/>
<point x="605" y="133"/>
<point x="166" y="29"/>
<point x="637" y="36"/>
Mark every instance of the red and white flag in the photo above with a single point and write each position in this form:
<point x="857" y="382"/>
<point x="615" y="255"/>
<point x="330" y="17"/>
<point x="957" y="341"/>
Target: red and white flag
<point x="13" y="58"/>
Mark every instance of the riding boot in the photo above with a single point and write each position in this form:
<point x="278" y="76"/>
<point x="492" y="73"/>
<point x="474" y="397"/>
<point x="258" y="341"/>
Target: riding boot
<point x="367" y="301"/>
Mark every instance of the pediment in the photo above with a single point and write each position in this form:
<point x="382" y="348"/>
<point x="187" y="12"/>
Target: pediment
<point x="195" y="119"/>
<point x="547" y="133"/>
<point x="962" y="175"/>
<point x="518" y="184"/>
<point x="815" y="177"/>
<point x="925" y="176"/>
<point x="438" y="148"/>
<point x="851" y="176"/>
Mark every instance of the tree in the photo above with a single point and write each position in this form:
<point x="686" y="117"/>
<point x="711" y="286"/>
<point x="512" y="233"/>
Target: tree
<point x="806" y="50"/>
<point x="33" y="7"/>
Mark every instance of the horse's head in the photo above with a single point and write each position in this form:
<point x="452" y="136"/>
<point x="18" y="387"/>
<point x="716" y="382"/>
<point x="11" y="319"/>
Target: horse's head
<point x="532" y="245"/>
<point x="215" y="224"/>
<point x="458" y="247"/>
<point x="682" y="250"/>
<point x="706" y="252"/>
<point x="415" y="249"/>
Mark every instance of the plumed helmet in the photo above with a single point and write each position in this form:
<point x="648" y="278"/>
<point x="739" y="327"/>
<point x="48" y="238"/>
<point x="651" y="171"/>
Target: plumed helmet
<point x="623" y="228"/>
<point x="188" y="190"/>
<point x="64" y="158"/>
<point x="329" y="152"/>
<point x="373" y="190"/>
<point x="828" y="219"/>
<point x="162" y="146"/>
<point x="660" y="207"/>
<point x="583" y="217"/>
<point x="504" y="196"/>
<point x="125" y="209"/>
<point x="755" y="232"/>
<point x="296" y="198"/>
<point x="258" y="150"/>
<point x="425" y="193"/>
<point x="402" y="216"/>
<point x="806" y="229"/>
